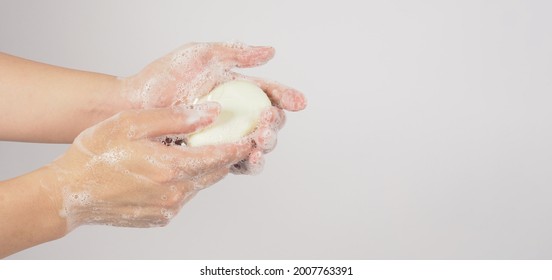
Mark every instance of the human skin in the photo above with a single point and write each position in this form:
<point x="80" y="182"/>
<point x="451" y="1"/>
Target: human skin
<point x="88" y="184"/>
<point x="45" y="103"/>
<point x="50" y="104"/>
<point x="115" y="173"/>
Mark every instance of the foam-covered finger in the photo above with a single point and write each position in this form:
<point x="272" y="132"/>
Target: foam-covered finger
<point x="241" y="55"/>
<point x="253" y="165"/>
<point x="266" y="139"/>
<point x="282" y="96"/>
<point x="204" y="159"/>
<point x="173" y="120"/>
<point x="273" y="117"/>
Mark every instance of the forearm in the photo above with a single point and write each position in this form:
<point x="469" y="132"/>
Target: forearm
<point x="45" y="103"/>
<point x="29" y="212"/>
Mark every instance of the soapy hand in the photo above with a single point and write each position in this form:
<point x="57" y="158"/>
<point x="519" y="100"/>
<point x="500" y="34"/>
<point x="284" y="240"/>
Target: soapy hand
<point x="192" y="71"/>
<point x="116" y="173"/>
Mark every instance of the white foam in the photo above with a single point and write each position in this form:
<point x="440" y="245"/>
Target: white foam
<point x="131" y="131"/>
<point x="167" y="214"/>
<point x="111" y="157"/>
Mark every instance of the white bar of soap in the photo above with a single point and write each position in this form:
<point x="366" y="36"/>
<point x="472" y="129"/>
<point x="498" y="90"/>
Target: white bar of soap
<point x="241" y="106"/>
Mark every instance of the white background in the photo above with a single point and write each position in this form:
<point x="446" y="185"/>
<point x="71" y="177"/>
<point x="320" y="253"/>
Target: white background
<point x="427" y="133"/>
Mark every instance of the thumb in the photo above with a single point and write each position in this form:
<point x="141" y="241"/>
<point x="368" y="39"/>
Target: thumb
<point x="151" y="123"/>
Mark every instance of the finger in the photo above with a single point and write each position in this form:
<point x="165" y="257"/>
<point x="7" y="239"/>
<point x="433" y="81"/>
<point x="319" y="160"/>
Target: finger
<point x="199" y="160"/>
<point x="273" y="117"/>
<point x="173" y="120"/>
<point x="251" y="166"/>
<point x="241" y="55"/>
<point x="266" y="139"/>
<point x="282" y="96"/>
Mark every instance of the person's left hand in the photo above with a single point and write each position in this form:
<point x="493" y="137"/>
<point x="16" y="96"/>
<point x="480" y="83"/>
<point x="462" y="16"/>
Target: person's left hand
<point x="194" y="69"/>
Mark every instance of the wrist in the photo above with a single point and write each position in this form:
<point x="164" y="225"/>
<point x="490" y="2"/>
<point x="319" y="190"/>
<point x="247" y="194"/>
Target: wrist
<point x="29" y="212"/>
<point x="132" y="91"/>
<point x="71" y="205"/>
<point x="110" y="99"/>
<point x="49" y="203"/>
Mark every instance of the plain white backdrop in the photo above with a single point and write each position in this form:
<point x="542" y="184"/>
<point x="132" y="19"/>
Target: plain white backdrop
<point x="427" y="133"/>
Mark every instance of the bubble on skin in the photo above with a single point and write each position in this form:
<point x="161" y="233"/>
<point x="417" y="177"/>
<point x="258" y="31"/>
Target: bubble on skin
<point x="111" y="157"/>
<point x="71" y="202"/>
<point x="193" y="117"/>
<point x="291" y="99"/>
<point x="186" y="54"/>
<point x="82" y="198"/>
<point x="268" y="139"/>
<point x="164" y="197"/>
<point x="256" y="162"/>
<point x="193" y="162"/>
<point x="186" y="93"/>
<point x="235" y="44"/>
<point x="165" y="157"/>
<point x="181" y="175"/>
<point x="146" y="95"/>
<point x="183" y="93"/>
<point x="152" y="160"/>
<point x="146" y="100"/>
<point x="253" y="165"/>
<point x="136" y="96"/>
<point x="196" y="183"/>
<point x="271" y="117"/>
<point x="131" y="131"/>
<point x="266" y="117"/>
<point x="167" y="214"/>
<point x="199" y="76"/>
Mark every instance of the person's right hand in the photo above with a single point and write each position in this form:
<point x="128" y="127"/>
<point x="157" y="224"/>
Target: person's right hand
<point x="193" y="70"/>
<point x="117" y="173"/>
